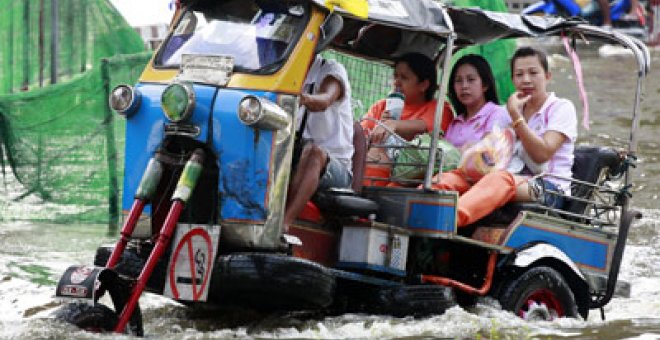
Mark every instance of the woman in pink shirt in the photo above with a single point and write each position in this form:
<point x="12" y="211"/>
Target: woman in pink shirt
<point x="546" y="127"/>
<point x="473" y="94"/>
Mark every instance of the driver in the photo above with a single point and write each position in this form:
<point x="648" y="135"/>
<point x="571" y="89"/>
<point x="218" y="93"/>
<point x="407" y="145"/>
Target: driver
<point x="326" y="161"/>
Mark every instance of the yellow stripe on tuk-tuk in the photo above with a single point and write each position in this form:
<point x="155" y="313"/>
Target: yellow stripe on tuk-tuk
<point x="288" y="79"/>
<point x="359" y="8"/>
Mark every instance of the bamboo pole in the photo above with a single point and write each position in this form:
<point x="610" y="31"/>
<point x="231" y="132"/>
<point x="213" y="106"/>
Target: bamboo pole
<point x="70" y="31"/>
<point x="83" y="38"/>
<point x="41" y="43"/>
<point x="26" y="46"/>
<point x="54" y="32"/>
<point x="111" y="151"/>
<point x="11" y="49"/>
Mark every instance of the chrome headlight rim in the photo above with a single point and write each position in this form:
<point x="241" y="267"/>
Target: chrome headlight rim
<point x="255" y="113"/>
<point x="244" y="105"/>
<point x="261" y="113"/>
<point x="187" y="111"/>
<point x="131" y="103"/>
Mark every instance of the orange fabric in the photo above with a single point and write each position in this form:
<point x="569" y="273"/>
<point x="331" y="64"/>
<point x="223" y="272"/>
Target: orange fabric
<point x="489" y="193"/>
<point x="425" y="112"/>
<point x="454" y="180"/>
<point x="373" y="170"/>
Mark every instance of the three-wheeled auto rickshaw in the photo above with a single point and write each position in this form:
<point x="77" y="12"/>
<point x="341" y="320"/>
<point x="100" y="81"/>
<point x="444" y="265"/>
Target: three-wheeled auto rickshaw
<point x="209" y="141"/>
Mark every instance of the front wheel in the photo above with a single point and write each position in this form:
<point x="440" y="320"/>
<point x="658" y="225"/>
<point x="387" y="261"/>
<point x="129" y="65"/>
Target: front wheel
<point x="541" y="293"/>
<point x="96" y="318"/>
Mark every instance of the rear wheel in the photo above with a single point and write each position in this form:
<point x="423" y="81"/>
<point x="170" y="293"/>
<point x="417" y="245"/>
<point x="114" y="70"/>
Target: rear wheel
<point x="540" y="293"/>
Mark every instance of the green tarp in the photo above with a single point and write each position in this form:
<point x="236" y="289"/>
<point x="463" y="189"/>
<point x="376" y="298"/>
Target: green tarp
<point x="497" y="53"/>
<point x="56" y="134"/>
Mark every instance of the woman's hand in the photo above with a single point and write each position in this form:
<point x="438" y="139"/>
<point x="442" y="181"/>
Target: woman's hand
<point x="386" y="115"/>
<point x="516" y="103"/>
<point x="379" y="133"/>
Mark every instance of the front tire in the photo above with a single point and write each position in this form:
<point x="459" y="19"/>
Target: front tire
<point x="97" y="318"/>
<point x="131" y="264"/>
<point x="540" y="293"/>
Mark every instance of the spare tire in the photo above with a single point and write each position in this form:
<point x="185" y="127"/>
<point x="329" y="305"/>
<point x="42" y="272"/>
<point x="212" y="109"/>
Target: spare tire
<point x="271" y="282"/>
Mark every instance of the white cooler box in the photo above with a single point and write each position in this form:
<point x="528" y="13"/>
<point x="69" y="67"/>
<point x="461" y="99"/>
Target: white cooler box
<point x="374" y="246"/>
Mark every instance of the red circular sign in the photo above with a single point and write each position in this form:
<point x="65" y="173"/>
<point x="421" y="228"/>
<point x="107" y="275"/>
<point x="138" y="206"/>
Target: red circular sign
<point x="186" y="240"/>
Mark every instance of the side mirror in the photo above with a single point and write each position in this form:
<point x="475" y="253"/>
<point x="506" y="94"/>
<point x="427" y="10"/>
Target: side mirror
<point x="328" y="31"/>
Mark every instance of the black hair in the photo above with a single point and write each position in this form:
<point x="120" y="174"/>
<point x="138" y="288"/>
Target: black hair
<point x="485" y="73"/>
<point x="424" y="68"/>
<point x="528" y="51"/>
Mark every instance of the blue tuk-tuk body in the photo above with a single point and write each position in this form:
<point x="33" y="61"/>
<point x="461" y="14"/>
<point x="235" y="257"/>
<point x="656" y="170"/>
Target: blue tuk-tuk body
<point x="209" y="143"/>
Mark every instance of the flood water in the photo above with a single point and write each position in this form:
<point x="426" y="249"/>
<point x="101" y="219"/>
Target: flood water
<point x="33" y="255"/>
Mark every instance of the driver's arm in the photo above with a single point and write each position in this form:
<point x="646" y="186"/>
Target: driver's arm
<point x="329" y="92"/>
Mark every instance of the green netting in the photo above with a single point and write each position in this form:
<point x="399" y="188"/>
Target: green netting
<point x="370" y="81"/>
<point x="56" y="133"/>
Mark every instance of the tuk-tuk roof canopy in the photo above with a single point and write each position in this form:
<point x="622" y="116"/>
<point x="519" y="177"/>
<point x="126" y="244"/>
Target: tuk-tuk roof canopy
<point x="477" y="26"/>
<point x="395" y="27"/>
<point x="418" y="15"/>
<point x="423" y="26"/>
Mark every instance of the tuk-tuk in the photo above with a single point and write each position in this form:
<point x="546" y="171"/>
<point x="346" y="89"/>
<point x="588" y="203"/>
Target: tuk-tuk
<point x="209" y="142"/>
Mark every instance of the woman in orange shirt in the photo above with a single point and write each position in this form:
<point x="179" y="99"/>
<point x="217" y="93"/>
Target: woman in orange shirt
<point x="415" y="76"/>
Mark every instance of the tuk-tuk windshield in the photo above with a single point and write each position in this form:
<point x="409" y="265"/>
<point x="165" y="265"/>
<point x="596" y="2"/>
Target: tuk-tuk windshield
<point x="257" y="39"/>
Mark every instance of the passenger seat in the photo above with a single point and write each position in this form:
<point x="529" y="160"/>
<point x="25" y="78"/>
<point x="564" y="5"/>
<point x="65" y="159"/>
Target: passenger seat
<point x="343" y="202"/>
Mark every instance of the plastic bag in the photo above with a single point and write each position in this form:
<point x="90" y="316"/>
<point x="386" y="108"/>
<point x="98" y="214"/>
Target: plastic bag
<point x="493" y="152"/>
<point x="521" y="159"/>
<point x="419" y="153"/>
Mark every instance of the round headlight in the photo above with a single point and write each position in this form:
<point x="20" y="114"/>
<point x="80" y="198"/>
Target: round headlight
<point x="124" y="99"/>
<point x="178" y="101"/>
<point x="249" y="110"/>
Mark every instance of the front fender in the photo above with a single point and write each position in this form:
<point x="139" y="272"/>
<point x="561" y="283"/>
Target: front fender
<point x="528" y="256"/>
<point x="80" y="282"/>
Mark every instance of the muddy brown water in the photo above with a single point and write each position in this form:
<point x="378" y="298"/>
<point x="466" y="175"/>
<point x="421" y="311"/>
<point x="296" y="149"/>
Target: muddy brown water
<point x="33" y="256"/>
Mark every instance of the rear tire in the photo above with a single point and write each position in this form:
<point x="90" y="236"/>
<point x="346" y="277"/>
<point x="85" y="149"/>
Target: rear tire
<point x="540" y="293"/>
